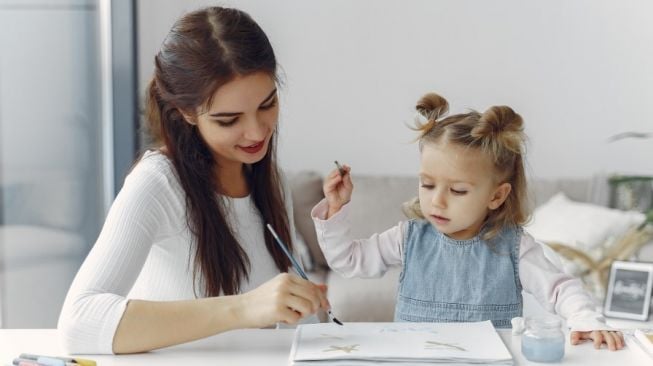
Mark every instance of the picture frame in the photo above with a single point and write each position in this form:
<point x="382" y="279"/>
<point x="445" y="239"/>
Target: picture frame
<point x="629" y="290"/>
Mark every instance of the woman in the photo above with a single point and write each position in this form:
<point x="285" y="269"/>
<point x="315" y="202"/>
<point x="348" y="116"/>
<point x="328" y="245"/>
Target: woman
<point x="183" y="253"/>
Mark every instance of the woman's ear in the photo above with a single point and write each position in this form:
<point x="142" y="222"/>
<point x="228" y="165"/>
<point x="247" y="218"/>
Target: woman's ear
<point x="499" y="196"/>
<point x="189" y="118"/>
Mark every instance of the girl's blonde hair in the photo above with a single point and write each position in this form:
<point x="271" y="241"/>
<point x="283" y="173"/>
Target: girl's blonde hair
<point x="499" y="134"/>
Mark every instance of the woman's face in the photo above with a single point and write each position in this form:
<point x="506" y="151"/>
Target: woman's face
<point x="241" y="119"/>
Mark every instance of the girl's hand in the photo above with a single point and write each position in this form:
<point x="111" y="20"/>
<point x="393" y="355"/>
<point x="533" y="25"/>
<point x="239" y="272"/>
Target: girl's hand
<point x="285" y="298"/>
<point x="337" y="189"/>
<point x="614" y="339"/>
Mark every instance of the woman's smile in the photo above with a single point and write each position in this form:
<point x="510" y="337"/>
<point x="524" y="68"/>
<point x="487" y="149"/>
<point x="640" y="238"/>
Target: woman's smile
<point x="254" y="148"/>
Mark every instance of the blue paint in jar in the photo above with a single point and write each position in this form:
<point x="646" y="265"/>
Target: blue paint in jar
<point x="543" y="340"/>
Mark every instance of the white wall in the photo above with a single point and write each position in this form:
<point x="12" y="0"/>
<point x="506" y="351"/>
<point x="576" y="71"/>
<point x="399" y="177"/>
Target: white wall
<point x="577" y="71"/>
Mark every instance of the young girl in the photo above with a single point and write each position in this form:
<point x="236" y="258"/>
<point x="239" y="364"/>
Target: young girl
<point x="184" y="253"/>
<point x="466" y="258"/>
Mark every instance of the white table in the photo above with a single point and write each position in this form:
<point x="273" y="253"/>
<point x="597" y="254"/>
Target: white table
<point x="268" y="347"/>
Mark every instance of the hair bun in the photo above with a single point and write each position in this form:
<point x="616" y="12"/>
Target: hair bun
<point x="503" y="125"/>
<point x="432" y="106"/>
<point x="496" y="120"/>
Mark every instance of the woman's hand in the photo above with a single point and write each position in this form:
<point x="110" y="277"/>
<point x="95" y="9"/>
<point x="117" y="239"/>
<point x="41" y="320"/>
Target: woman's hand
<point x="285" y="298"/>
<point x="614" y="339"/>
<point x="337" y="189"/>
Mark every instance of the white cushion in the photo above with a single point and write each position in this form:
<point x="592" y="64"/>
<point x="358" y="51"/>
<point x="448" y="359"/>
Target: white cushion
<point x="581" y="225"/>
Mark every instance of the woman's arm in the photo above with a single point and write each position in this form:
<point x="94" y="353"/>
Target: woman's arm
<point x="98" y="318"/>
<point x="97" y="299"/>
<point x="148" y="325"/>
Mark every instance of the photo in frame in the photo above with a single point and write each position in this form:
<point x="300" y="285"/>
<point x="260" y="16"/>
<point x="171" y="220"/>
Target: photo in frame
<point x="629" y="290"/>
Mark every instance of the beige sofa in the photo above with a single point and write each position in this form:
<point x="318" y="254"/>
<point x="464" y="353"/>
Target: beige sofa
<point x="376" y="206"/>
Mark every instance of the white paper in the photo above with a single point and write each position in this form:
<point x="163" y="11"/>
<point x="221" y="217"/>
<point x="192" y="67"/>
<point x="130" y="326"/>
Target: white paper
<point x="414" y="343"/>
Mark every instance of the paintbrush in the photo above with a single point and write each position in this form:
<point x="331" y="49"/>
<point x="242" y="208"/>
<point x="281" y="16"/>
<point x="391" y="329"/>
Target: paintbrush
<point x="298" y="268"/>
<point x="340" y="168"/>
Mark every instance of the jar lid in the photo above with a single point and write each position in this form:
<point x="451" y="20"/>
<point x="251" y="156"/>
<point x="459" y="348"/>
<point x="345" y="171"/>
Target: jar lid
<point x="543" y="322"/>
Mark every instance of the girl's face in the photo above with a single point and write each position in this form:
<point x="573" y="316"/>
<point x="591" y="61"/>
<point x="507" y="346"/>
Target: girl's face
<point x="240" y="121"/>
<point x="458" y="188"/>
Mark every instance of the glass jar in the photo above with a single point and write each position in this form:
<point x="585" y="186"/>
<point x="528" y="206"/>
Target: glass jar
<point x="543" y="340"/>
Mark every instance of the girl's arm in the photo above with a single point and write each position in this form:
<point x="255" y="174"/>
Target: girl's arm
<point x="356" y="258"/>
<point x="555" y="290"/>
<point x="563" y="294"/>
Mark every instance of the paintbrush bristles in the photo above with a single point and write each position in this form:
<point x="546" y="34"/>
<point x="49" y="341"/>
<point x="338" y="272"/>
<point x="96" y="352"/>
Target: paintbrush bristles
<point x="340" y="168"/>
<point x="333" y="318"/>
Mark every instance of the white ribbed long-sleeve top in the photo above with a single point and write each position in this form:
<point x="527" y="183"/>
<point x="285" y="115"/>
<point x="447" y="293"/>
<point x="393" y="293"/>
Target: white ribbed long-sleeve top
<point x="145" y="251"/>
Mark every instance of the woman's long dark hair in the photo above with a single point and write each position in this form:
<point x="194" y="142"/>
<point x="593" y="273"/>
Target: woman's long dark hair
<point x="204" y="50"/>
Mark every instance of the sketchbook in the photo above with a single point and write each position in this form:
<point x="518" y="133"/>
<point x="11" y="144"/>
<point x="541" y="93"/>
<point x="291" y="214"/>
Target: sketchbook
<point x="401" y="343"/>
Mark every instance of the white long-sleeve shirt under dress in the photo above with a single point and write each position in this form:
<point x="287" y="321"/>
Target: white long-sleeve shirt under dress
<point x="145" y="251"/>
<point x="372" y="257"/>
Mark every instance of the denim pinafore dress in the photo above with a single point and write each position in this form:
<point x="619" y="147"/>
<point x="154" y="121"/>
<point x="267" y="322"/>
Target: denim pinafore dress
<point x="448" y="280"/>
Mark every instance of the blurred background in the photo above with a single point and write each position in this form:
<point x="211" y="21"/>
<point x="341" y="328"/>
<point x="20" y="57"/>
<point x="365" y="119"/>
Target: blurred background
<point x="73" y="73"/>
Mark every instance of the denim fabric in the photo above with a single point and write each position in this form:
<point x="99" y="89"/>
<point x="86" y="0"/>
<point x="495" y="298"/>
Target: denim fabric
<point x="448" y="280"/>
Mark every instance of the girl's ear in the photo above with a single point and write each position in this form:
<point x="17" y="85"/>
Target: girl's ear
<point x="499" y="196"/>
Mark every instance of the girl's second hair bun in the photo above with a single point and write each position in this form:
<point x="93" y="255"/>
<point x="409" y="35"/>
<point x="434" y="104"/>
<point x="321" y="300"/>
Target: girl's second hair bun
<point x="432" y="106"/>
<point x="498" y="119"/>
